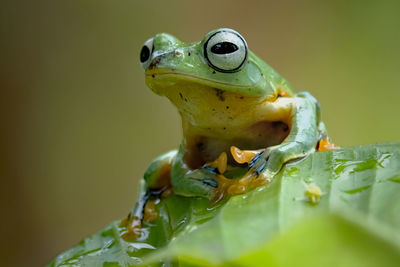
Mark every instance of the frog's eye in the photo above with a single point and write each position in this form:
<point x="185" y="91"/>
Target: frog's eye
<point x="226" y="50"/>
<point x="145" y="53"/>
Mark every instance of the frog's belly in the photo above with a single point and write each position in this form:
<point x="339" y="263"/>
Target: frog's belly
<point x="206" y="148"/>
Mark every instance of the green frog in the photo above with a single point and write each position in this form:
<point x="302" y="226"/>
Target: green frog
<point x="237" y="114"/>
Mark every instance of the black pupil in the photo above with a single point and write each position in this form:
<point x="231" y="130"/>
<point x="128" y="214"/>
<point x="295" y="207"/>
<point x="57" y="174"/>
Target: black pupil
<point x="144" y="54"/>
<point x="224" y="48"/>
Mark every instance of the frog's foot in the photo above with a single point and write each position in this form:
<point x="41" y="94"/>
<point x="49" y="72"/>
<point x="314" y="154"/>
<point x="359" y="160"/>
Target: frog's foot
<point x="145" y="211"/>
<point x="150" y="213"/>
<point x="219" y="182"/>
<point x="325" y="144"/>
<point x="133" y="226"/>
<point x="222" y="190"/>
<point x="230" y="187"/>
<point x="263" y="164"/>
<point x="219" y="165"/>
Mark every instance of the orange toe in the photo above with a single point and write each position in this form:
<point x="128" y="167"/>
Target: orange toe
<point x="243" y="156"/>
<point x="325" y="145"/>
<point x="220" y="163"/>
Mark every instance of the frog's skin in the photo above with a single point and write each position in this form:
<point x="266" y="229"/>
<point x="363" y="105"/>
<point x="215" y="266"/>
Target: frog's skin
<point x="228" y="98"/>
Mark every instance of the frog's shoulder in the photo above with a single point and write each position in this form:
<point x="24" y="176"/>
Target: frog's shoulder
<point x="157" y="174"/>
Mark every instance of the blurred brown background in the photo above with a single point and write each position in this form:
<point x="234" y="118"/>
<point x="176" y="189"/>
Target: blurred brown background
<point x="79" y="126"/>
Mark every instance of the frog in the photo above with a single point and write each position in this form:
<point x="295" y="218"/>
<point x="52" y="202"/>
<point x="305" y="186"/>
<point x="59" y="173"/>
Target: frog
<point x="237" y="113"/>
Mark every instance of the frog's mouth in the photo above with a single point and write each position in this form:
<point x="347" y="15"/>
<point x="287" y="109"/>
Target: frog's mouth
<point x="156" y="78"/>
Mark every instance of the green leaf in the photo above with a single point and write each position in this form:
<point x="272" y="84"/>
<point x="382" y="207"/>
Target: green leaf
<point x="356" y="221"/>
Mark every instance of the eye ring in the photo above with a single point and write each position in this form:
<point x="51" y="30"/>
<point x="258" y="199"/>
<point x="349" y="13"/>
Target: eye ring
<point x="225" y="51"/>
<point x="146" y="52"/>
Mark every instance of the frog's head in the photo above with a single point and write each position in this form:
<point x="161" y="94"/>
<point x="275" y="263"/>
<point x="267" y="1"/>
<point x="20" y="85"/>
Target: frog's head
<point x="201" y="72"/>
<point x="221" y="60"/>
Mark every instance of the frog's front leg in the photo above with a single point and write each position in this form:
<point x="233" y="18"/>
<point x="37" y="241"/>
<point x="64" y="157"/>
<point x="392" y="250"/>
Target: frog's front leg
<point x="302" y="116"/>
<point x="201" y="182"/>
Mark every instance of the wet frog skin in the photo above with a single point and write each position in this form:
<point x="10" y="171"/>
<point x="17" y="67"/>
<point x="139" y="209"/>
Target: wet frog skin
<point x="237" y="113"/>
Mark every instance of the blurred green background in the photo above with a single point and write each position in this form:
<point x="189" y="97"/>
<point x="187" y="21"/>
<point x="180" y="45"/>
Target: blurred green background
<point x="79" y="125"/>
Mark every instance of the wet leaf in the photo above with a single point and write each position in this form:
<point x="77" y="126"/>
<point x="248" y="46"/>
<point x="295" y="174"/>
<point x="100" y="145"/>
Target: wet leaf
<point x="353" y="220"/>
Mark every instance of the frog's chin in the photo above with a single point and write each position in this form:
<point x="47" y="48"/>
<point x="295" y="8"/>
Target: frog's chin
<point x="185" y="91"/>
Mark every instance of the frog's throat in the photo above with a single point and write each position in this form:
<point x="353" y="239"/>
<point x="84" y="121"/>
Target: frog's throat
<point x="206" y="106"/>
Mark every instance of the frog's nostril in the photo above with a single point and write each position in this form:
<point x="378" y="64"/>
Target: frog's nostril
<point x="154" y="62"/>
